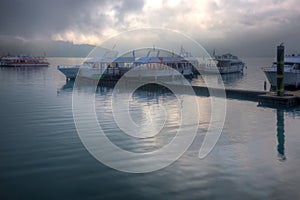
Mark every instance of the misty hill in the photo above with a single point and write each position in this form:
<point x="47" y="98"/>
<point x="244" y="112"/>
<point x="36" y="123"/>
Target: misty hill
<point x="39" y="48"/>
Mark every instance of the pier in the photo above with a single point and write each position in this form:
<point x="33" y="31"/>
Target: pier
<point x="289" y="99"/>
<point x="264" y="98"/>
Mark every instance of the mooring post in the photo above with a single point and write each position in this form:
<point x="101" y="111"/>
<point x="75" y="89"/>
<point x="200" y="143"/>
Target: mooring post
<point x="280" y="70"/>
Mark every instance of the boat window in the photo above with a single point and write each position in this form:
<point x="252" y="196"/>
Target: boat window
<point x="285" y="65"/>
<point x="96" y="65"/>
<point x="297" y="66"/>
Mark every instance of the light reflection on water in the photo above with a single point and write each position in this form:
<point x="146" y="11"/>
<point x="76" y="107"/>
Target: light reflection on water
<point x="41" y="156"/>
<point x="146" y="107"/>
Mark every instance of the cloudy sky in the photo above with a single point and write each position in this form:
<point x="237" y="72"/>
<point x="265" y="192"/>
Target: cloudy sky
<point x="247" y="27"/>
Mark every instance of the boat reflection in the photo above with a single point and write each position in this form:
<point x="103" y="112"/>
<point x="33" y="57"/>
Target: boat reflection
<point x="280" y="134"/>
<point x="68" y="85"/>
<point x="232" y="79"/>
<point x="228" y="80"/>
<point x="148" y="90"/>
<point x="280" y="113"/>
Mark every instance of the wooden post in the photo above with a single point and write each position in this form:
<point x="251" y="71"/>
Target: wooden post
<point x="280" y="70"/>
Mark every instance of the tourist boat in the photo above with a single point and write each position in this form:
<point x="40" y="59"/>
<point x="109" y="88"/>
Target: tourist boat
<point x="107" y="65"/>
<point x="23" y="61"/>
<point x="224" y="64"/>
<point x="110" y="66"/>
<point x="71" y="72"/>
<point x="291" y="72"/>
<point x="107" y="68"/>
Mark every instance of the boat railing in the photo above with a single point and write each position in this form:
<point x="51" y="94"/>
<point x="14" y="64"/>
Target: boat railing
<point x="68" y="66"/>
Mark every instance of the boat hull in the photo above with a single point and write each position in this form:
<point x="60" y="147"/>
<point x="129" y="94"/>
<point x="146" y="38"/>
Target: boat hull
<point x="223" y="70"/>
<point x="144" y="73"/>
<point x="96" y="74"/>
<point x="231" y="69"/>
<point x="290" y="78"/>
<point x="25" y="65"/>
<point x="69" y="72"/>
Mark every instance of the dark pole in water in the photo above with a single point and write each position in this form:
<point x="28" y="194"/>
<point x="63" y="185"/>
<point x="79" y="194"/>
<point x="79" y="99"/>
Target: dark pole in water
<point x="280" y="70"/>
<point x="280" y="134"/>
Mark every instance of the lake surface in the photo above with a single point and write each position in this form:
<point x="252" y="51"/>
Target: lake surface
<point x="41" y="156"/>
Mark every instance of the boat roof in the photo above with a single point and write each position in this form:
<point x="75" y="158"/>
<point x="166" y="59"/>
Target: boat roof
<point x="292" y="59"/>
<point x="161" y="56"/>
<point x="22" y="57"/>
<point x="227" y="56"/>
<point x="145" y="60"/>
<point x="160" y="59"/>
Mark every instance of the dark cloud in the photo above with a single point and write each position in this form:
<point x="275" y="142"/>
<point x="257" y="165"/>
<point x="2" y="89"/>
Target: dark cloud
<point x="29" y="25"/>
<point x="29" y="18"/>
<point x="125" y="7"/>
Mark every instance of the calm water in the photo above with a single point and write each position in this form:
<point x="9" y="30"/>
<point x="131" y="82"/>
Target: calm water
<point x="42" y="157"/>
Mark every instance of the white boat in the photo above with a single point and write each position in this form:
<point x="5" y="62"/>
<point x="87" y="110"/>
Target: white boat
<point x="224" y="64"/>
<point x="108" y="65"/>
<point x="291" y="72"/>
<point x="111" y="66"/>
<point x="107" y="68"/>
<point x="23" y="61"/>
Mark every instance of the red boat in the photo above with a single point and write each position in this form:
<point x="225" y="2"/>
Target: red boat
<point x="23" y="61"/>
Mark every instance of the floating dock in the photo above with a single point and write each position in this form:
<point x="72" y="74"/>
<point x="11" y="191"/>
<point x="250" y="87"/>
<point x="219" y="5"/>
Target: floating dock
<point x="289" y="99"/>
<point x="271" y="98"/>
